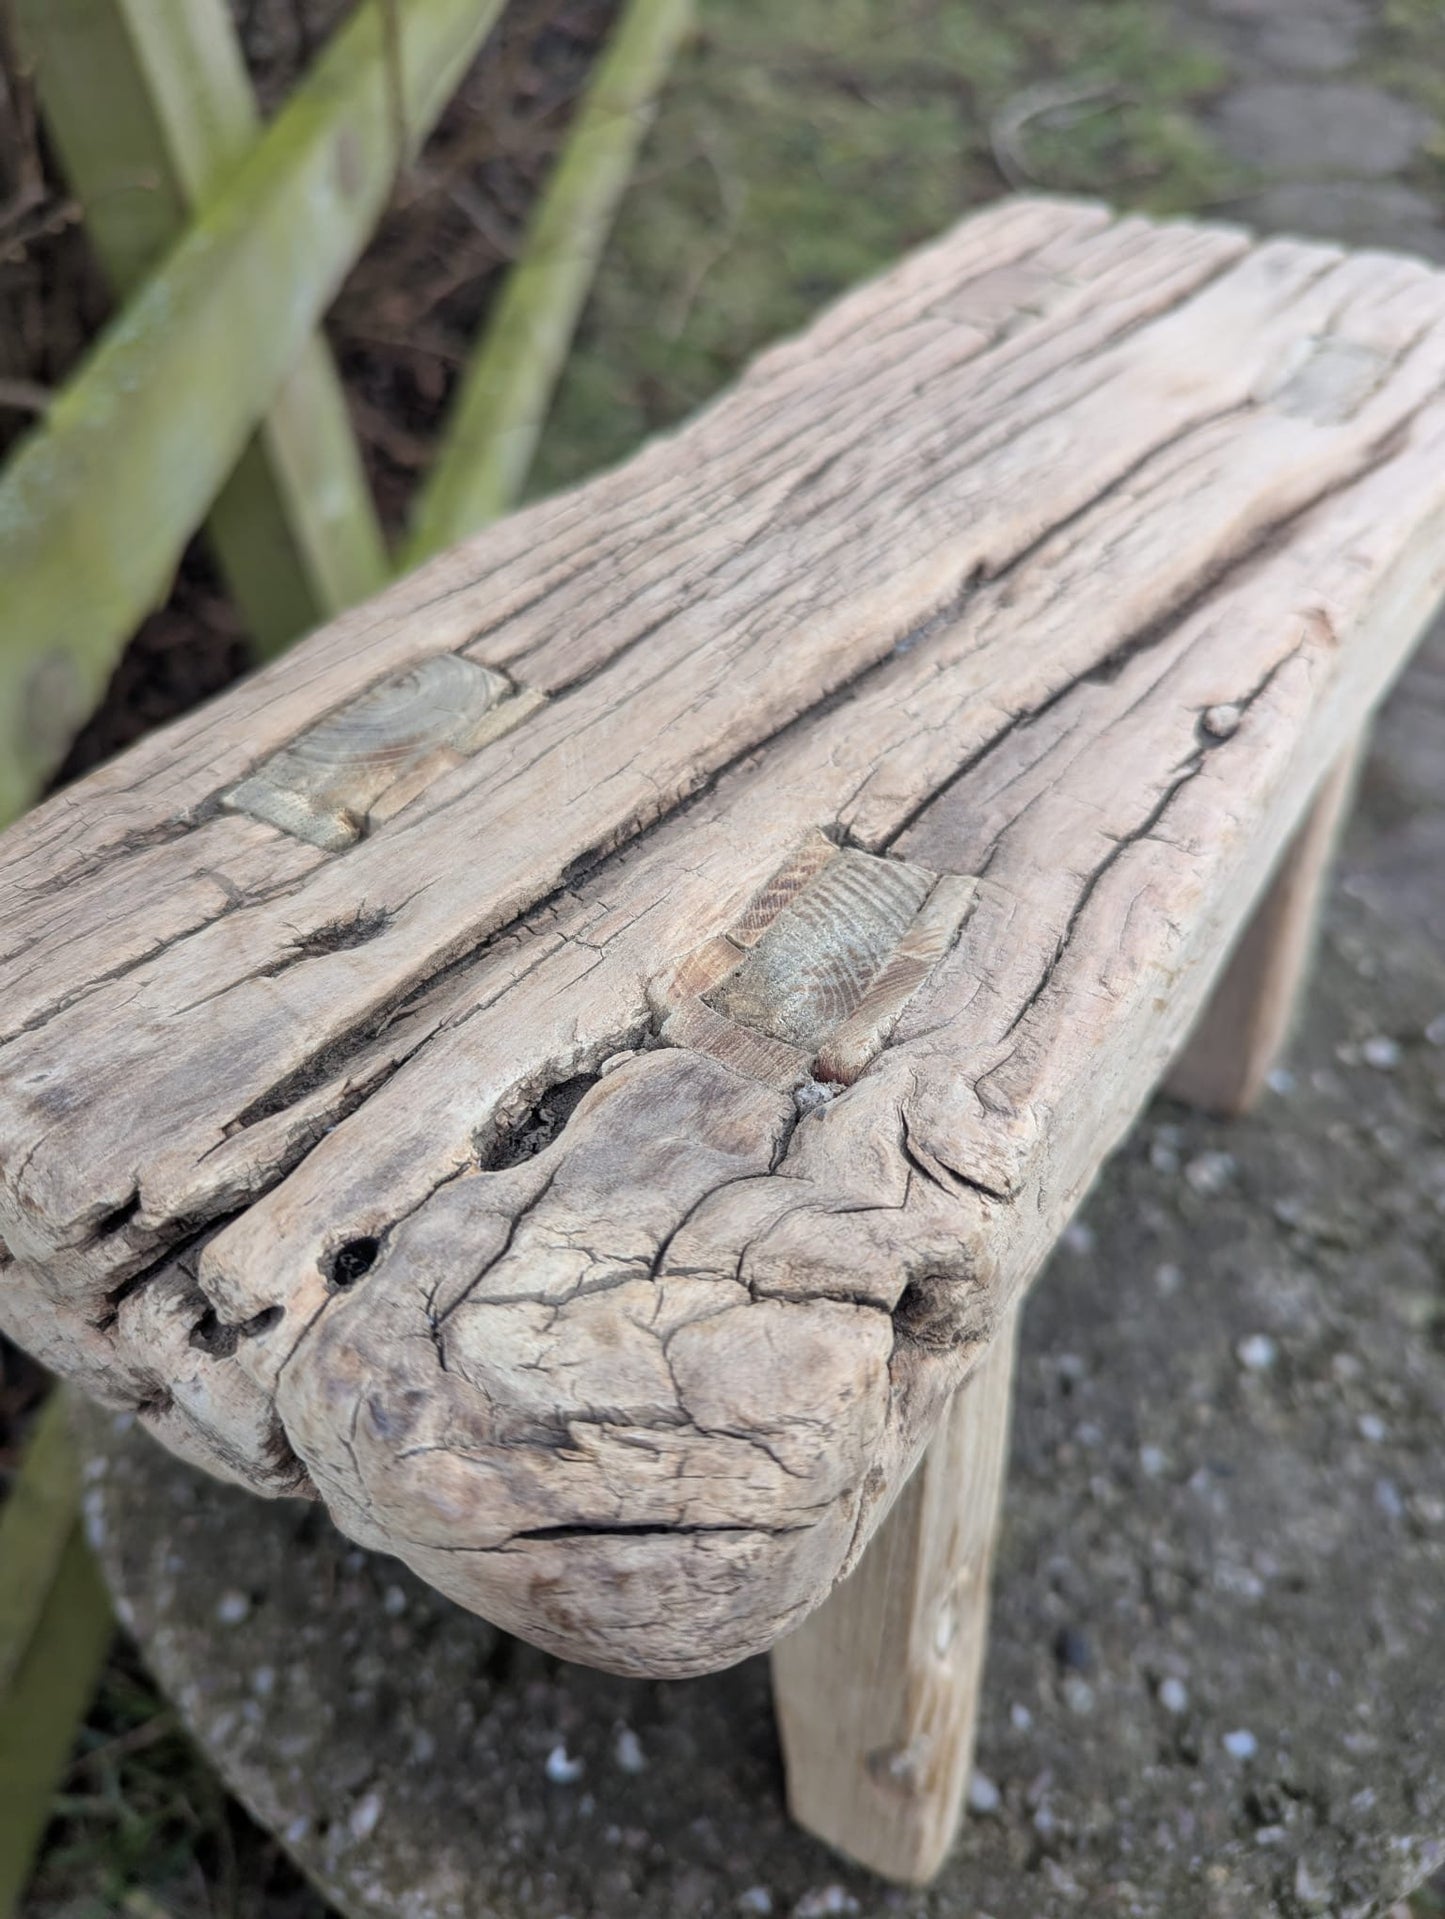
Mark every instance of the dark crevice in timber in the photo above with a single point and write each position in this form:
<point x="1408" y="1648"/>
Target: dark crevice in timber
<point x="213" y="1336"/>
<point x="181" y="1249"/>
<point x="927" y="1313"/>
<point x="544" y="1123"/>
<point x="929" y="1173"/>
<point x="355" y="929"/>
<point x="141" y="840"/>
<point x="1183" y="607"/>
<point x="122" y="1216"/>
<point x="621" y="1531"/>
<point x="1190" y="770"/>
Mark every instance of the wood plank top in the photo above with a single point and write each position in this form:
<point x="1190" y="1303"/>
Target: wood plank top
<point x="591" y="1160"/>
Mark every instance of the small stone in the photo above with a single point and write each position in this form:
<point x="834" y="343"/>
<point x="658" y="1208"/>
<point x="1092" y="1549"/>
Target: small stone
<point x="1173" y="1695"/>
<point x="393" y="1602"/>
<point x="1020" y="1718"/>
<point x="1435" y="1031"/>
<point x="1381" y="1052"/>
<point x="1168" y="1279"/>
<point x="1071" y="1367"/>
<point x="1241" y="1744"/>
<point x="1164" y="1158"/>
<point x="232" y="1608"/>
<point x="1257" y="1353"/>
<point x="1153" y="1461"/>
<point x="824" y="1902"/>
<point x="1219" y="722"/>
<point x="1280" y="1080"/>
<point x="983" y="1795"/>
<point x="1371" y="1427"/>
<point x="1388" y="1500"/>
<point x="365" y="1816"/>
<point x="298" y="1829"/>
<point x="562" y="1770"/>
<point x="1078" y="1695"/>
<point x="1310" y="1887"/>
<point x="263" y="1681"/>
<point x="627" y="1751"/>
<point x="757" y="1899"/>
<point x="1210" y="1173"/>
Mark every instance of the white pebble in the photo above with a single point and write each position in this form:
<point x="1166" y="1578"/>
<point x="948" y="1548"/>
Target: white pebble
<point x="1078" y="1237"/>
<point x="263" y="1681"/>
<point x="1221" y="721"/>
<point x="1168" y="1279"/>
<point x="1153" y="1460"/>
<point x="365" y="1816"/>
<point x="393" y="1602"/>
<point x="1381" y="1052"/>
<point x="562" y="1770"/>
<point x="1020" y="1718"/>
<point x="1435" y="1031"/>
<point x="1258" y="1353"/>
<point x="1078" y="1695"/>
<point x="820" y="1904"/>
<point x="232" y="1608"/>
<point x="1173" y="1695"/>
<point x="1163" y="1157"/>
<point x="627" y="1751"/>
<point x="756" y="1899"/>
<point x="983" y="1795"/>
<point x="1280" y="1080"/>
<point x="1241" y="1744"/>
<point x="1387" y="1498"/>
<point x="1371" y="1427"/>
<point x="297" y="1830"/>
<point x="1210" y="1173"/>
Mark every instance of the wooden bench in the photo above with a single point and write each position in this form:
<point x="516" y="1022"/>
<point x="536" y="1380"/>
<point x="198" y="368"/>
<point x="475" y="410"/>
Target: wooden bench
<point x="576" y="1065"/>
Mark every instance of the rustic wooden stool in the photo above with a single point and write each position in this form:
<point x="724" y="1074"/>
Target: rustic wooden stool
<point x="576" y="1064"/>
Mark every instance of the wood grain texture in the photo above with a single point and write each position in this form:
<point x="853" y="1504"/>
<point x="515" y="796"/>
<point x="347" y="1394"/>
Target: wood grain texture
<point x="438" y="1175"/>
<point x="877" y="1693"/>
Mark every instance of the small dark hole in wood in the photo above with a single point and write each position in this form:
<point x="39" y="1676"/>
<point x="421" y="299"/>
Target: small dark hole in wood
<point x="925" y="1312"/>
<point x="545" y="1121"/>
<point x="353" y="1261"/>
<point x="122" y="1216"/>
<point x="212" y="1335"/>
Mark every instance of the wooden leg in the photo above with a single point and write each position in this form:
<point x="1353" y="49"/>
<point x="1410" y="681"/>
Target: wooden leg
<point x="877" y="1692"/>
<point x="1239" y="1035"/>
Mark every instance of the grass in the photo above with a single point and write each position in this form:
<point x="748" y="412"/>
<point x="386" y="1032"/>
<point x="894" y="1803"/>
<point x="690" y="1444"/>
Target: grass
<point x="802" y="148"/>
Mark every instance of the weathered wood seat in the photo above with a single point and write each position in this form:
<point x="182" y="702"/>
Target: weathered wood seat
<point x="576" y="1064"/>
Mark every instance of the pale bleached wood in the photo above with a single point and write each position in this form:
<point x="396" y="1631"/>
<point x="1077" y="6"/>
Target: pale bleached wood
<point x="955" y="591"/>
<point x="1228" y="1056"/>
<point x="499" y="831"/>
<point x="877" y="1693"/>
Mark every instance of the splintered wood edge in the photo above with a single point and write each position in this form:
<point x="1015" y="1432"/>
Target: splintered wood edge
<point x="642" y="1396"/>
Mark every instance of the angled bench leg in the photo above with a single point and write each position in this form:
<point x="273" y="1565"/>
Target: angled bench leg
<point x="876" y="1693"/>
<point x="1246" y="1021"/>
